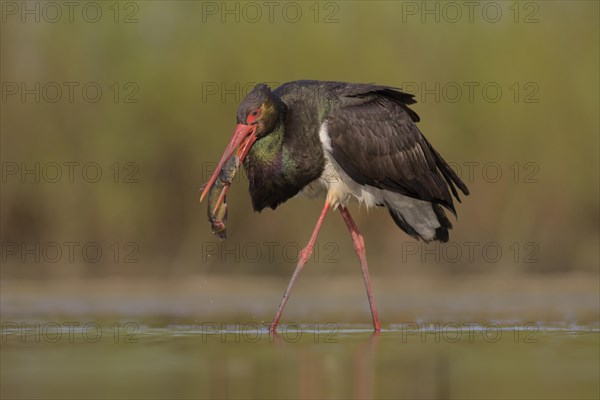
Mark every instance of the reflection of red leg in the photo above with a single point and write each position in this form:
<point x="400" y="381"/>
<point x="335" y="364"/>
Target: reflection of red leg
<point x="302" y="258"/>
<point x="364" y="380"/>
<point x="359" y="246"/>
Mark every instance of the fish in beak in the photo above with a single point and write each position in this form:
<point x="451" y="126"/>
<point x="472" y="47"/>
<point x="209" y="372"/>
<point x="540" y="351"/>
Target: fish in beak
<point x="218" y="185"/>
<point x="242" y="140"/>
<point x="217" y="201"/>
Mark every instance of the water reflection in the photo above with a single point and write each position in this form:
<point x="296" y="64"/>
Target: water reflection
<point x="363" y="387"/>
<point x="322" y="374"/>
<point x="185" y="362"/>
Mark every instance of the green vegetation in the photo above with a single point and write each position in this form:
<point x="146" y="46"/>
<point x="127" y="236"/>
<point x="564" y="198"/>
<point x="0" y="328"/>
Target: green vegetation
<point x="171" y="83"/>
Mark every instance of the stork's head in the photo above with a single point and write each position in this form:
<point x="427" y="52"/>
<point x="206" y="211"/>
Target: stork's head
<point x="260" y="111"/>
<point x="257" y="116"/>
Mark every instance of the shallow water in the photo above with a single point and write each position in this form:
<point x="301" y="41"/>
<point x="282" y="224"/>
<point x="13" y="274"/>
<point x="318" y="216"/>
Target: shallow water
<point x="122" y="359"/>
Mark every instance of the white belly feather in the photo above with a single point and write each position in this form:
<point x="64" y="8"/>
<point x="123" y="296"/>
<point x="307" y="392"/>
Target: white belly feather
<point x="339" y="189"/>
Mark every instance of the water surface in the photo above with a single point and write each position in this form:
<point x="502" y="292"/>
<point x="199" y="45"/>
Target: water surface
<point x="130" y="359"/>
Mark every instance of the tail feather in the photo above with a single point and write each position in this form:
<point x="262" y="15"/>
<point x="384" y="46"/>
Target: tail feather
<point x="421" y="220"/>
<point x="441" y="233"/>
<point x="401" y="222"/>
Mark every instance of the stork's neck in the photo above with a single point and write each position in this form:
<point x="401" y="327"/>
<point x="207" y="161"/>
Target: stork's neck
<point x="267" y="150"/>
<point x="281" y="163"/>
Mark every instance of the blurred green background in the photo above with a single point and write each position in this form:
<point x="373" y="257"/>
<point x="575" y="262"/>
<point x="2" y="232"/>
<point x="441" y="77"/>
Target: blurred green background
<point x="171" y="75"/>
<point x="113" y="114"/>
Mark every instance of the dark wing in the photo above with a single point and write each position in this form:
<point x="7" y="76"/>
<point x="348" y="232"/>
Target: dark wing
<point x="375" y="140"/>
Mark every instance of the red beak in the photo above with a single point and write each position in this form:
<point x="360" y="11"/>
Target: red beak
<point x="242" y="139"/>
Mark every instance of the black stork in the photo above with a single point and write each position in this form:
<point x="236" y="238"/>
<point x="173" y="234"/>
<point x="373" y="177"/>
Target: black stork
<point x="342" y="142"/>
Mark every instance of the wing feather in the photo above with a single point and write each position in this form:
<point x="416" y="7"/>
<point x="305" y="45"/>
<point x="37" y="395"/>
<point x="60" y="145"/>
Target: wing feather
<point x="377" y="143"/>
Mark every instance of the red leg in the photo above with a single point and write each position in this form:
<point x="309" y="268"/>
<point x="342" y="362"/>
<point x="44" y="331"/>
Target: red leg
<point x="304" y="255"/>
<point x="359" y="247"/>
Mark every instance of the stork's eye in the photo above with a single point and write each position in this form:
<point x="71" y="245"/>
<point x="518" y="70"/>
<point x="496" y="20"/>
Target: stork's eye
<point x="252" y="116"/>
